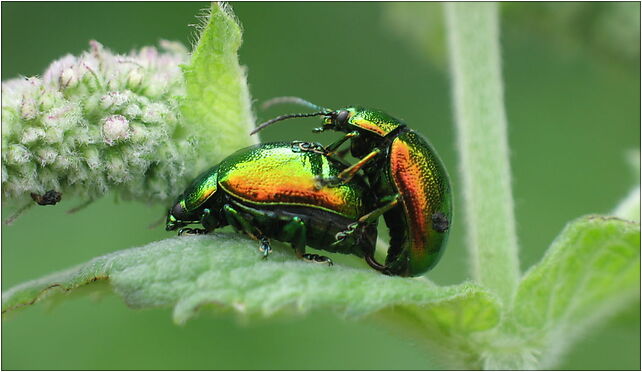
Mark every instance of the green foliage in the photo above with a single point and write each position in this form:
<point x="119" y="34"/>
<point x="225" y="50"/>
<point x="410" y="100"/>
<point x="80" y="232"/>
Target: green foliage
<point x="218" y="104"/>
<point x="590" y="272"/>
<point x="226" y="271"/>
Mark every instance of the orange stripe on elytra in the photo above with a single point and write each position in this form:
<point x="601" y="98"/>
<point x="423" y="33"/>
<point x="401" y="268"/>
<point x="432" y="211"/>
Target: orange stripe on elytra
<point x="370" y="126"/>
<point x="287" y="189"/>
<point x="409" y="171"/>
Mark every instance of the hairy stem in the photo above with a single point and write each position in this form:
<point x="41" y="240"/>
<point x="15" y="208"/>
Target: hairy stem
<point x="473" y="38"/>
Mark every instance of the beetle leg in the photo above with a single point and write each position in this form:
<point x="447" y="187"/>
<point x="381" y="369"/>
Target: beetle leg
<point x="205" y="215"/>
<point x="311" y="257"/>
<point x="332" y="148"/>
<point x="342" y="235"/>
<point x="377" y="266"/>
<point x="232" y="216"/>
<point x="208" y="221"/>
<point x="302" y="146"/>
<point x="173" y="224"/>
<point x="295" y="232"/>
<point x="390" y="202"/>
<point x="239" y="223"/>
<point x="342" y="153"/>
<point x="347" y="174"/>
<point x="264" y="246"/>
<point x="190" y="231"/>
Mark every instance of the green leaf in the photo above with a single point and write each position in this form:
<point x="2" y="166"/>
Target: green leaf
<point x="218" y="101"/>
<point x="226" y="271"/>
<point x="455" y="331"/>
<point x="591" y="271"/>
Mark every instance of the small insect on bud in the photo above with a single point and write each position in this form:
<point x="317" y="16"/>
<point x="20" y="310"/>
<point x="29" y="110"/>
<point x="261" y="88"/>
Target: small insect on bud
<point x="115" y="128"/>
<point x="51" y="197"/>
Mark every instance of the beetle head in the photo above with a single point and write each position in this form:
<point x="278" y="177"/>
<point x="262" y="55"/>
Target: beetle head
<point x="176" y="215"/>
<point x="338" y="120"/>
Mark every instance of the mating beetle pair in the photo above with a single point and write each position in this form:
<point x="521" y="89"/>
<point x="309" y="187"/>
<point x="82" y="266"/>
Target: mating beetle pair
<point x="407" y="179"/>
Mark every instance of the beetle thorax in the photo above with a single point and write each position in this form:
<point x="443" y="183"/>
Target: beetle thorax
<point x="374" y="121"/>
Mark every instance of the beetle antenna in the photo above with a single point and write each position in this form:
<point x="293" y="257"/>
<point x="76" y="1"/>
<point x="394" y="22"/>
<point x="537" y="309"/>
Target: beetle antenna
<point x="290" y="99"/>
<point x="288" y="116"/>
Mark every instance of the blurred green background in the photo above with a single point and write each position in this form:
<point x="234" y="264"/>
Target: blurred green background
<point x="572" y="87"/>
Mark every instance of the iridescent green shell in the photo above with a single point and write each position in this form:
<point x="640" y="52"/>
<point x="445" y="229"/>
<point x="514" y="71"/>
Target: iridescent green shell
<point x="274" y="174"/>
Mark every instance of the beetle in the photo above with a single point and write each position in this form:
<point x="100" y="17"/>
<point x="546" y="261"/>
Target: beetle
<point x="406" y="174"/>
<point x="268" y="191"/>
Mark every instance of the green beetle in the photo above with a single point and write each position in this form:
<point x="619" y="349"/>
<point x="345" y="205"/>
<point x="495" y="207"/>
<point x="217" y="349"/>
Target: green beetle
<point x="406" y="174"/>
<point x="268" y="191"/>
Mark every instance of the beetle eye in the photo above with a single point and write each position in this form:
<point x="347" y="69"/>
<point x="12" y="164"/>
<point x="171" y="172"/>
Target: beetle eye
<point x="342" y="117"/>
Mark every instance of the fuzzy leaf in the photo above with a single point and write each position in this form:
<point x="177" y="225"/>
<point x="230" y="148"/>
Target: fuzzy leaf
<point x="454" y="332"/>
<point x="218" y="101"/>
<point x="225" y="270"/>
<point x="590" y="272"/>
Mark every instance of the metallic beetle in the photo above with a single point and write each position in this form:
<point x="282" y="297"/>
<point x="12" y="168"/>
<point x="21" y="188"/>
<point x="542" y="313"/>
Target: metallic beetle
<point x="268" y="191"/>
<point x="407" y="177"/>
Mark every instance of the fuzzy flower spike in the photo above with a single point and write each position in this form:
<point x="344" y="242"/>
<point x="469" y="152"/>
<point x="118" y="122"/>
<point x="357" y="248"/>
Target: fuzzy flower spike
<point x="97" y="122"/>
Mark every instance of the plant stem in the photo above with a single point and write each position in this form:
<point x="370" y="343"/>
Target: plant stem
<point x="473" y="38"/>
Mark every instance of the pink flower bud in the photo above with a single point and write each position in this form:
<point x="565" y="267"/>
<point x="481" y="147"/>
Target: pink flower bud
<point x="115" y="128"/>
